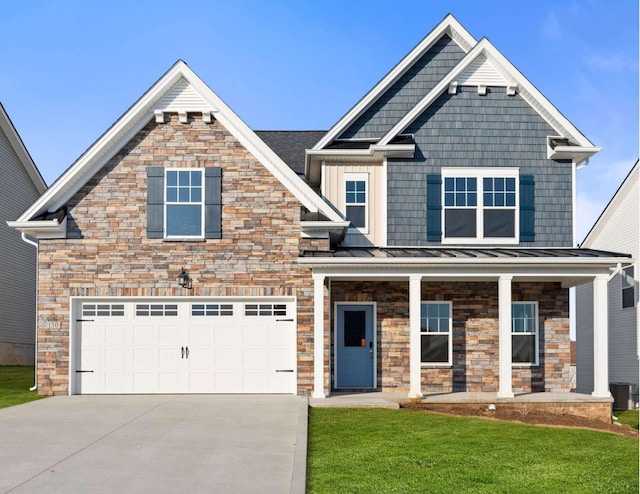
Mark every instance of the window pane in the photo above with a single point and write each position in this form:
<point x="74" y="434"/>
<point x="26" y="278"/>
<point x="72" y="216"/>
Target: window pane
<point x="510" y="199"/>
<point x="350" y="186"/>
<point x="443" y="310"/>
<point x="498" y="184"/>
<point x="487" y="184"/>
<point x="627" y="298"/>
<point x="172" y="178"/>
<point x="432" y="310"/>
<point x="449" y="199"/>
<point x="471" y="199"/>
<point x="356" y="215"/>
<point x="183" y="178"/>
<point x="460" y="199"/>
<point x="499" y="223"/>
<point x="517" y="310"/>
<point x="499" y="199"/>
<point x="172" y="194"/>
<point x="523" y="348"/>
<point x="448" y="184"/>
<point x="460" y="184"/>
<point x="472" y="184"/>
<point x="460" y="223"/>
<point x="434" y="348"/>
<point x="184" y="220"/>
<point x="196" y="194"/>
<point x="354" y="328"/>
<point x="351" y="197"/>
<point x="360" y="197"/>
<point x="510" y="184"/>
<point x="183" y="194"/>
<point x="488" y="199"/>
<point x="196" y="178"/>
<point x="360" y="186"/>
<point x="432" y="325"/>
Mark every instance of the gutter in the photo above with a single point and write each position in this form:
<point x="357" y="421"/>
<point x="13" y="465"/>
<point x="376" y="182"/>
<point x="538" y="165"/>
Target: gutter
<point x="35" y="374"/>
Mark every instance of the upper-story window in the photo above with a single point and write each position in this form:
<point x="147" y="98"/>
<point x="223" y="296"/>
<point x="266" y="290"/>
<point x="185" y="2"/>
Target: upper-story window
<point x="184" y="203"/>
<point x="480" y="205"/>
<point x="356" y="200"/>
<point x="628" y="288"/>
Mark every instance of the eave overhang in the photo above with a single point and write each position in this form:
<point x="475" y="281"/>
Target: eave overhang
<point x="41" y="229"/>
<point x="577" y="154"/>
<point x="323" y="229"/>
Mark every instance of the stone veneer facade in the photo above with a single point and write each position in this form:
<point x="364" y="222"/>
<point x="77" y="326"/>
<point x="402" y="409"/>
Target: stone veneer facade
<point x="475" y="335"/>
<point x="107" y="252"/>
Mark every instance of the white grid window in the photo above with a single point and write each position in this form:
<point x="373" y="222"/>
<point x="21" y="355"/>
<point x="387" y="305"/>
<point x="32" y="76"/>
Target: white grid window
<point x="435" y="333"/>
<point x="184" y="203"/>
<point x="524" y="332"/>
<point x="211" y="309"/>
<point x="265" y="310"/>
<point x="144" y="310"/>
<point x="102" y="310"/>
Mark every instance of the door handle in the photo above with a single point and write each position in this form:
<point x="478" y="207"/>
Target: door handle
<point x="187" y="352"/>
<point x="182" y="352"/>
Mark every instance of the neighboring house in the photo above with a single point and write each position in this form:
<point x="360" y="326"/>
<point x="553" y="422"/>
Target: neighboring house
<point x="423" y="244"/>
<point x="617" y="228"/>
<point x="20" y="186"/>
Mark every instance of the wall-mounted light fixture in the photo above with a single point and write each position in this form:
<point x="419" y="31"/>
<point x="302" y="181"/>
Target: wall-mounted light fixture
<point x="184" y="280"/>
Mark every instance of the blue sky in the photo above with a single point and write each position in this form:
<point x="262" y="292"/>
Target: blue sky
<point x="71" y="68"/>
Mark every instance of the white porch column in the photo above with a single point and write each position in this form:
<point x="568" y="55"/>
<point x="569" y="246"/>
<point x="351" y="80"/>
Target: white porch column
<point x="504" y="339"/>
<point x="318" y="336"/>
<point x="600" y="337"/>
<point x="415" y="388"/>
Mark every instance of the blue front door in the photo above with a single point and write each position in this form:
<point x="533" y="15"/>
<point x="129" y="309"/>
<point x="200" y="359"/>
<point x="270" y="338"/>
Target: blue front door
<point x="355" y="348"/>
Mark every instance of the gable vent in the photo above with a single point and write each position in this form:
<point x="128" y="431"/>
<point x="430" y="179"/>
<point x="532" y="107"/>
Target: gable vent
<point x="482" y="73"/>
<point x="182" y="97"/>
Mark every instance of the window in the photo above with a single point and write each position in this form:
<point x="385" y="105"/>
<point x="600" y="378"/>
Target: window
<point x="184" y="204"/>
<point x="265" y="310"/>
<point x="435" y="333"/>
<point x="524" y="332"/>
<point x="211" y="309"/>
<point x="480" y="205"/>
<point x="156" y="310"/>
<point x="355" y="200"/>
<point x="108" y="310"/>
<point x="628" y="288"/>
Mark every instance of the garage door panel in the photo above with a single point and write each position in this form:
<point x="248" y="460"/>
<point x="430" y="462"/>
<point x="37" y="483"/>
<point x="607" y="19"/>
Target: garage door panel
<point x="186" y="347"/>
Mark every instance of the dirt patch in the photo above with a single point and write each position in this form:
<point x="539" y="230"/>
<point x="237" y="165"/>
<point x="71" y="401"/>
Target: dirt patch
<point x="526" y="414"/>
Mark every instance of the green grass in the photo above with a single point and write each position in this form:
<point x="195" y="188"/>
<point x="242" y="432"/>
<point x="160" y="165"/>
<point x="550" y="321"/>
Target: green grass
<point x="404" y="451"/>
<point x="629" y="417"/>
<point x="15" y="381"/>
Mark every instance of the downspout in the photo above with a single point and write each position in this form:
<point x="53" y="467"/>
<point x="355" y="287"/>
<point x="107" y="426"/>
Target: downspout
<point x="35" y="363"/>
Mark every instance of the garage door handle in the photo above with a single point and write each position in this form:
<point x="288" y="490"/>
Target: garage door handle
<point x="284" y="320"/>
<point x="187" y="352"/>
<point x="284" y="370"/>
<point x="182" y="352"/>
<point x="78" y="371"/>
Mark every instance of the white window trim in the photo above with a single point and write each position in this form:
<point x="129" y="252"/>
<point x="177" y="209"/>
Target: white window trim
<point x="450" y="346"/>
<point x="359" y="176"/>
<point x="201" y="203"/>
<point x="479" y="174"/>
<point x="537" y="334"/>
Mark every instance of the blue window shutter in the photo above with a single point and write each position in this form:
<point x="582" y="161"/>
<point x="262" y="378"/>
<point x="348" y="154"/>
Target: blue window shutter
<point x="155" y="202"/>
<point x="434" y="208"/>
<point x="527" y="208"/>
<point x="212" y="202"/>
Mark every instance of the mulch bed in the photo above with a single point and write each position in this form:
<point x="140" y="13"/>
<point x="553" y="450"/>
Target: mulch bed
<point x="525" y="415"/>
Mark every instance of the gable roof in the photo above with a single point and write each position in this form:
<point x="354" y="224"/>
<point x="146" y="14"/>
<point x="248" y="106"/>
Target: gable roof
<point x="449" y="26"/>
<point x="291" y="144"/>
<point x="6" y="125"/>
<point x="624" y="189"/>
<point x="178" y="90"/>
<point x="484" y="57"/>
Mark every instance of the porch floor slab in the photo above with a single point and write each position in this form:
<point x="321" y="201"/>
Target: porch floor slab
<point x="383" y="399"/>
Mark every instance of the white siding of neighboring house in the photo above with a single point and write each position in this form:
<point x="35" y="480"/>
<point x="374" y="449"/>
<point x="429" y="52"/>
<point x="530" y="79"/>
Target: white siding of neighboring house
<point x="17" y="261"/>
<point x="618" y="230"/>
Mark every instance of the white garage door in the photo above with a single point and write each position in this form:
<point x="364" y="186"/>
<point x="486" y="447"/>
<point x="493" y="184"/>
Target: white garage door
<point x="178" y="346"/>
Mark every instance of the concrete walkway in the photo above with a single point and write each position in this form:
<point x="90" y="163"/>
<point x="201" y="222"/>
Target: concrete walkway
<point x="161" y="443"/>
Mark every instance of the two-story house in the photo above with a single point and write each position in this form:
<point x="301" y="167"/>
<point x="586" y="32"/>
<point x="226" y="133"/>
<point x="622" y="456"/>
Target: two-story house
<point x="424" y="243"/>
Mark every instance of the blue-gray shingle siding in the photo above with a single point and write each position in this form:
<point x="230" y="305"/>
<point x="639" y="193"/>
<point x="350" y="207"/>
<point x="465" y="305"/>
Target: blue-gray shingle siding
<point x="407" y="91"/>
<point x="468" y="130"/>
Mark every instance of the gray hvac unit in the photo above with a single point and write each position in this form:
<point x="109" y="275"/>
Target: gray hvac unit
<point x="622" y="396"/>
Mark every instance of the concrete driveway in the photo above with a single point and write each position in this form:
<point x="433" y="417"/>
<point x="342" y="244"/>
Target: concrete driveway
<point x="177" y="443"/>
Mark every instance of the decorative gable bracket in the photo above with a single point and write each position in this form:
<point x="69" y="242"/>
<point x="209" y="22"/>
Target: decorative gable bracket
<point x="183" y="115"/>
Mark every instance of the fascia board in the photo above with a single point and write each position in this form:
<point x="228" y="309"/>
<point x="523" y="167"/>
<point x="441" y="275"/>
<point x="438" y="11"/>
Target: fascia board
<point x="41" y="229"/>
<point x="21" y="151"/>
<point x="449" y="25"/>
<point x="526" y="90"/>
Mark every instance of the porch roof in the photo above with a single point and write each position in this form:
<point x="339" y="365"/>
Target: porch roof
<point x="570" y="266"/>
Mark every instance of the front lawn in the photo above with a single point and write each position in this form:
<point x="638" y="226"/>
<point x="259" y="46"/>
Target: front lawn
<point x="629" y="417"/>
<point x="15" y="381"/>
<point x="400" y="451"/>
